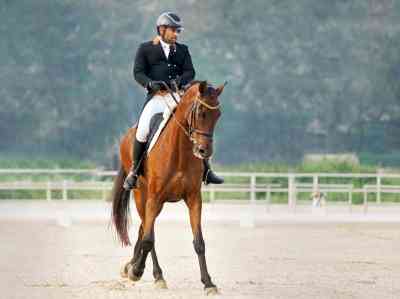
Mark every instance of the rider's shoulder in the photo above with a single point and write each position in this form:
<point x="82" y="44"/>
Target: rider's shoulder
<point x="154" y="42"/>
<point x="182" y="46"/>
<point x="146" y="44"/>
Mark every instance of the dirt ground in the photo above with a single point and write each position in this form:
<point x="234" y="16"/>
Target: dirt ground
<point x="43" y="259"/>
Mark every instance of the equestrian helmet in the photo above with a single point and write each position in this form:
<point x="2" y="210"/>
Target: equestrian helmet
<point x="169" y="19"/>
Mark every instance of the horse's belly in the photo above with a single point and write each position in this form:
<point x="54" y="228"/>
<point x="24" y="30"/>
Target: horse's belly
<point x="173" y="199"/>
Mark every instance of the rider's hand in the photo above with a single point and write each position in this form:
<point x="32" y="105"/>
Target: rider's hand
<point x="178" y="81"/>
<point x="174" y="85"/>
<point x="153" y="87"/>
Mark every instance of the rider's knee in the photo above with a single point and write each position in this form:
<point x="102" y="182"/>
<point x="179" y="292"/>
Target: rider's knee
<point x="141" y="135"/>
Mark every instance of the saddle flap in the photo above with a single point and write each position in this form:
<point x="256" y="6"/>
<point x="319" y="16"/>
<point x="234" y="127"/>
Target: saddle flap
<point x="157" y="124"/>
<point x="154" y="125"/>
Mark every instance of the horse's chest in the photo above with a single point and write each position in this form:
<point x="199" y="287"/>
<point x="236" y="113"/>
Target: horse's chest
<point x="180" y="182"/>
<point x="178" y="186"/>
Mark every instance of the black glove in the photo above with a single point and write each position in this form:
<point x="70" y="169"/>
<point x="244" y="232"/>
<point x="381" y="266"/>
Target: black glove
<point x="178" y="81"/>
<point x="174" y="85"/>
<point x="153" y="87"/>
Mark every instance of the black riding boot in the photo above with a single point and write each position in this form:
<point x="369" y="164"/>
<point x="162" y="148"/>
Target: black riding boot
<point x="209" y="177"/>
<point x="131" y="179"/>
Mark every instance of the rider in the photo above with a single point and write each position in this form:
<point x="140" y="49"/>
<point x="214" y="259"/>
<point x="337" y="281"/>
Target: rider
<point x="162" y="59"/>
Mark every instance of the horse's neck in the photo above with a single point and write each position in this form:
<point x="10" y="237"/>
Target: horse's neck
<point x="180" y="144"/>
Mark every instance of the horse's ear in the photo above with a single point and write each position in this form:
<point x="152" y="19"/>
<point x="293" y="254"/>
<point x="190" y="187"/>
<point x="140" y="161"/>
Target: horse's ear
<point x="203" y="87"/>
<point x="220" y="88"/>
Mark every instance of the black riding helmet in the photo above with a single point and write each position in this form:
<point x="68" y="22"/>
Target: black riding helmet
<point x="169" y="19"/>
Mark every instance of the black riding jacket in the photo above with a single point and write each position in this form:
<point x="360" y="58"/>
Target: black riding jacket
<point x="151" y="64"/>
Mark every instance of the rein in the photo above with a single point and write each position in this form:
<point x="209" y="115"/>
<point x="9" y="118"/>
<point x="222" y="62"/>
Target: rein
<point x="193" y="110"/>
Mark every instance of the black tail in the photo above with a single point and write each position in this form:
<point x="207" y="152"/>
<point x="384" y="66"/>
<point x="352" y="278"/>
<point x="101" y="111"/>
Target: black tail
<point x="120" y="207"/>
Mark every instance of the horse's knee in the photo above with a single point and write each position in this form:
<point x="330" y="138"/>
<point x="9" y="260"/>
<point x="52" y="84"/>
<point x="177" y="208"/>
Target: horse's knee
<point x="199" y="246"/>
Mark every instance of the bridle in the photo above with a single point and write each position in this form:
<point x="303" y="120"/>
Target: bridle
<point x="193" y="111"/>
<point x="192" y="118"/>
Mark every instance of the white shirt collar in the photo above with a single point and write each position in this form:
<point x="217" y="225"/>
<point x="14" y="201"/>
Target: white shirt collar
<point x="166" y="47"/>
<point x="164" y="44"/>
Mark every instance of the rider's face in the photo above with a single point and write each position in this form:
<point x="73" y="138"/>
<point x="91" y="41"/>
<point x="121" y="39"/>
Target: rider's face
<point x="169" y="34"/>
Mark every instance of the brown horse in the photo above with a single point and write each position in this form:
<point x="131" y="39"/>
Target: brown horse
<point x="172" y="171"/>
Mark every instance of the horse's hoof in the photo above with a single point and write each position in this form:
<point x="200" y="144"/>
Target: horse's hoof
<point x="211" y="291"/>
<point x="132" y="276"/>
<point x="124" y="270"/>
<point x="161" y="284"/>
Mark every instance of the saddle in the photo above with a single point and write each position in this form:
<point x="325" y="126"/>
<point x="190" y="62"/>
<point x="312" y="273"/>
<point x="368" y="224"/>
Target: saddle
<point x="157" y="124"/>
<point x="154" y="125"/>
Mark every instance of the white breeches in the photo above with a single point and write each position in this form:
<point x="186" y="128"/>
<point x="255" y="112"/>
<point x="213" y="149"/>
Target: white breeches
<point x="158" y="104"/>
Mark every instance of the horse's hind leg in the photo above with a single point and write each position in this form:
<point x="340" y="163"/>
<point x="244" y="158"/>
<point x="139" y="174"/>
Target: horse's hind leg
<point x="128" y="269"/>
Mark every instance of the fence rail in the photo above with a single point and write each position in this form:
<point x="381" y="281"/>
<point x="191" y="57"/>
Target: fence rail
<point x="291" y="183"/>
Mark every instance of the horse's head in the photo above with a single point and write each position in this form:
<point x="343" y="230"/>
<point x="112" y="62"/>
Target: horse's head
<point x="202" y="116"/>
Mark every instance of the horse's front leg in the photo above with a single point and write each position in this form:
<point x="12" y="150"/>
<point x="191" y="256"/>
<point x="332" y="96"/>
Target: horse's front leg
<point x="194" y="204"/>
<point x="153" y="208"/>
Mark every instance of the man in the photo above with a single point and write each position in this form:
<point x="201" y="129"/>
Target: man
<point x="162" y="59"/>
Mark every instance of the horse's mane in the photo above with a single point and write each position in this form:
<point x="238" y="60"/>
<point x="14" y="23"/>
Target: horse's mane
<point x="188" y="86"/>
<point x="187" y="91"/>
<point x="194" y="82"/>
<point x="191" y="83"/>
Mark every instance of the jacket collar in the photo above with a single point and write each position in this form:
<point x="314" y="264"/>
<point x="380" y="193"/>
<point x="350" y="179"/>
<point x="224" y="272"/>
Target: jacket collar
<point x="157" y="43"/>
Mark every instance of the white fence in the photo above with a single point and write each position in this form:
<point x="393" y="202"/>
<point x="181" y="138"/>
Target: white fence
<point x="252" y="183"/>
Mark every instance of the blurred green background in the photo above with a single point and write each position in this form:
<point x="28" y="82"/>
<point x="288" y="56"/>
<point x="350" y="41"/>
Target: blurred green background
<point x="306" y="76"/>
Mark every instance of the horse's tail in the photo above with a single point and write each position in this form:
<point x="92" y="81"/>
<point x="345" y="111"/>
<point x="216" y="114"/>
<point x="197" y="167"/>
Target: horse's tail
<point x="120" y="207"/>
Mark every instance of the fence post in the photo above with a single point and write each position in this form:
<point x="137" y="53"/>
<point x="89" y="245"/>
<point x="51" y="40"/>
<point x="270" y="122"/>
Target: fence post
<point x="247" y="218"/>
<point x="292" y="192"/>
<point x="378" y="188"/>
<point x="48" y="191"/>
<point x="268" y="198"/>
<point x="253" y="188"/>
<point x="212" y="194"/>
<point x="64" y="190"/>
<point x="365" y="200"/>
<point x="315" y="183"/>
<point x="351" y="199"/>
<point x="104" y="192"/>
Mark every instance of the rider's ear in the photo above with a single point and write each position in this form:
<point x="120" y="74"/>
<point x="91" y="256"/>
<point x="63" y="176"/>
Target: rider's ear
<point x="220" y="88"/>
<point x="203" y="87"/>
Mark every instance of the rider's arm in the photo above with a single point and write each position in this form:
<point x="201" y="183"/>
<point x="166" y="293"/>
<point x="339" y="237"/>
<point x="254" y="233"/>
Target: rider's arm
<point x="188" y="69"/>
<point x="140" y="67"/>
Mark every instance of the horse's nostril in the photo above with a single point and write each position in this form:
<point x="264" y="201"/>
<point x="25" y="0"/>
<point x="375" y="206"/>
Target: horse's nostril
<point x="202" y="151"/>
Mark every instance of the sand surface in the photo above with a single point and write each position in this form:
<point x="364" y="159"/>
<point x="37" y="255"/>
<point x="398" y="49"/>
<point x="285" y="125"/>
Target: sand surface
<point x="43" y="259"/>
